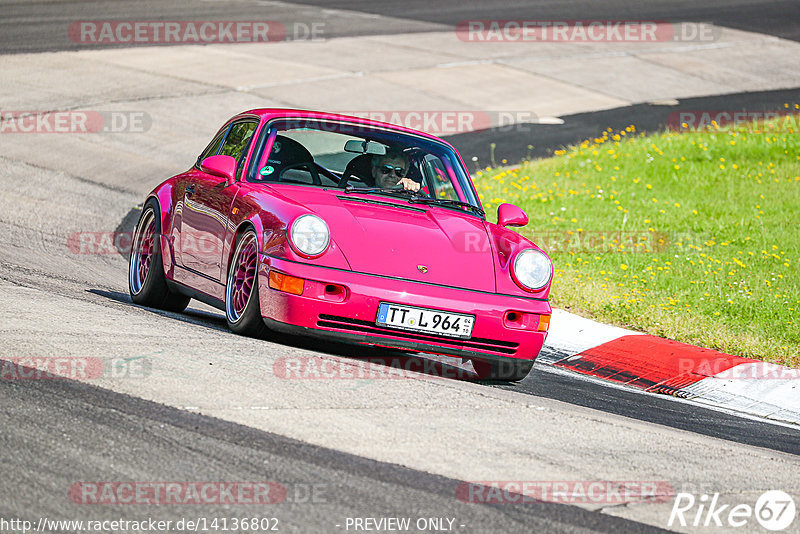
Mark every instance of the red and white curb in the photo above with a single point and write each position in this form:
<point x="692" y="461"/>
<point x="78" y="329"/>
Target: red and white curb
<point x="660" y="365"/>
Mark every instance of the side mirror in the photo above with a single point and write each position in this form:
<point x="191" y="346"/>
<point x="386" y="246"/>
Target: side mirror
<point x="222" y="166"/>
<point x="511" y="215"/>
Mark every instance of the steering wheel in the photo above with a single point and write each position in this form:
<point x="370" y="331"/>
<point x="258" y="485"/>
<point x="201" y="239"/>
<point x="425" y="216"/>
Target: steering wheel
<point x="350" y="174"/>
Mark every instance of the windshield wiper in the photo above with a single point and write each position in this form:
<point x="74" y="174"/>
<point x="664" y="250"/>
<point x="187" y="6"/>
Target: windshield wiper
<point x="415" y="198"/>
<point x="381" y="190"/>
<point x="448" y="202"/>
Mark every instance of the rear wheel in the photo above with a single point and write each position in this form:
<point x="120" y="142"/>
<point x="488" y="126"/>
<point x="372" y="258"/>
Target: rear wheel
<point x="146" y="281"/>
<point x="505" y="370"/>
<point x="242" y="306"/>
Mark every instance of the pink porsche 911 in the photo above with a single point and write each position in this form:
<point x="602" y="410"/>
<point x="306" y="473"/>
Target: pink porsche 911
<point x="345" y="229"/>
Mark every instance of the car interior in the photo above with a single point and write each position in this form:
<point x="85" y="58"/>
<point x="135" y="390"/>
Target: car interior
<point x="291" y="162"/>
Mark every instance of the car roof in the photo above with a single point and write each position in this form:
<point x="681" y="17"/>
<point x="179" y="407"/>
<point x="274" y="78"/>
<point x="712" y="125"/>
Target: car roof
<point x="277" y="113"/>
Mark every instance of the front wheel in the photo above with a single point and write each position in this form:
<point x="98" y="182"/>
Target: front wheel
<point x="146" y="281"/>
<point x="242" y="306"/>
<point x="505" y="370"/>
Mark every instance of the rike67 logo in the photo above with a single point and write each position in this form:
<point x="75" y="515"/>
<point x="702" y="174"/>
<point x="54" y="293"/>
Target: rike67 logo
<point x="774" y="510"/>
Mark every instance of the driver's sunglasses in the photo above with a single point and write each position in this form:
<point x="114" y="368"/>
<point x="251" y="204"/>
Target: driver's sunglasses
<point x="399" y="171"/>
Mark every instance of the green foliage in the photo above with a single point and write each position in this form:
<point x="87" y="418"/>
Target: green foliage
<point x="691" y="235"/>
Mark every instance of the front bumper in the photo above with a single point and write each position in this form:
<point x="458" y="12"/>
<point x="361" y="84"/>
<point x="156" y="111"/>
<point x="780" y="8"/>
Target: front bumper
<point x="349" y="315"/>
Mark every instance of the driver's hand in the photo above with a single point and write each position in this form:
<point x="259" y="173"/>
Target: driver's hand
<point x="409" y="184"/>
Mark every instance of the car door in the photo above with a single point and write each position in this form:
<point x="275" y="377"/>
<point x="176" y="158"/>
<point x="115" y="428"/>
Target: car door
<point x="207" y="201"/>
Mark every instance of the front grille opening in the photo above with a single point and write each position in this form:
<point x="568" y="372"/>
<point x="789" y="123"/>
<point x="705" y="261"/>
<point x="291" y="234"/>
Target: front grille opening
<point x="367" y="327"/>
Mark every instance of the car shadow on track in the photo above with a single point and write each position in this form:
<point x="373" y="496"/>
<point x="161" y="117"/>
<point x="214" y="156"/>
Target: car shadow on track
<point x="208" y="319"/>
<point x="358" y="362"/>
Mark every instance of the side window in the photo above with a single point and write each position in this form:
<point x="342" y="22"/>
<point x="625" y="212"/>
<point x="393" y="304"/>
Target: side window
<point x="211" y="149"/>
<point x="237" y="142"/>
<point x="438" y="179"/>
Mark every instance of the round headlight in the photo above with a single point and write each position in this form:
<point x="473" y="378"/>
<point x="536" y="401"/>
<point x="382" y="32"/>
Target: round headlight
<point x="310" y="235"/>
<point x="532" y="269"/>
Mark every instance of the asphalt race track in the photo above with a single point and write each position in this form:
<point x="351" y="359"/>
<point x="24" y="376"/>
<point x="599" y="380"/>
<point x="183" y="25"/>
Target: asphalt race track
<point x="161" y="443"/>
<point x="512" y="145"/>
<point x="38" y="26"/>
<point x="210" y="406"/>
<point x="779" y="18"/>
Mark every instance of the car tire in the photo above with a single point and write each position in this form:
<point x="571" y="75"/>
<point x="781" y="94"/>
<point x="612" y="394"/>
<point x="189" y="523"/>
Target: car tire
<point x="503" y="370"/>
<point x="147" y="284"/>
<point x="242" y="304"/>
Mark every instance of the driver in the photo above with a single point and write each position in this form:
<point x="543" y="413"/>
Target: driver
<point x="389" y="170"/>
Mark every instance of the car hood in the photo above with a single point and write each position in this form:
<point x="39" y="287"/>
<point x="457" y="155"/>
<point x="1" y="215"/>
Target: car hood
<point x="386" y="236"/>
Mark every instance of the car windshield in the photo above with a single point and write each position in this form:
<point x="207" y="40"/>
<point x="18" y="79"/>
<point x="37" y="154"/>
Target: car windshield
<point x="362" y="159"/>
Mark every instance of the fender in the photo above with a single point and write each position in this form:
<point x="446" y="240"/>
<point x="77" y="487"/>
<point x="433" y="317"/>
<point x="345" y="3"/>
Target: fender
<point x="505" y="245"/>
<point x="271" y="217"/>
<point x="163" y="195"/>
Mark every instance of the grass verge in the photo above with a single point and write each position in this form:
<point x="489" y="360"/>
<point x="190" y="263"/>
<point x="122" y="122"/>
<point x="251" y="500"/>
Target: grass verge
<point x="693" y="235"/>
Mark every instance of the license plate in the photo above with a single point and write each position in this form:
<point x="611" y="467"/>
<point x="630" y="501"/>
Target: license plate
<point x="425" y="320"/>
